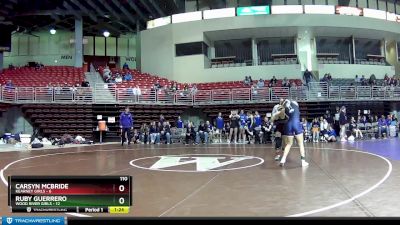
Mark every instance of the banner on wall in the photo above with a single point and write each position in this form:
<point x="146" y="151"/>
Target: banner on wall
<point x="392" y="17"/>
<point x="287" y="9"/>
<point x="186" y="17"/>
<point x="158" y="22"/>
<point x="253" y="10"/>
<point x="319" y="9"/>
<point x="219" y="13"/>
<point x="374" y="13"/>
<point x="349" y="11"/>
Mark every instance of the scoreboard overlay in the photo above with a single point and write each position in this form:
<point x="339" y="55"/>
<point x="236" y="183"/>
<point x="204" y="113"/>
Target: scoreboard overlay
<point x="79" y="194"/>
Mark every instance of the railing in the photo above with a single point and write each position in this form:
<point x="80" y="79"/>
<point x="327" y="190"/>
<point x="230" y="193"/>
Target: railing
<point x="110" y="94"/>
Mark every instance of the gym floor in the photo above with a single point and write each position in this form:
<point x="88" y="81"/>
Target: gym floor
<point x="343" y="179"/>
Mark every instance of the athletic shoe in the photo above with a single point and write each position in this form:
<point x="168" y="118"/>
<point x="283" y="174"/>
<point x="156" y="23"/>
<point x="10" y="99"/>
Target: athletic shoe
<point x="277" y="157"/>
<point x="282" y="163"/>
<point x="122" y="144"/>
<point x="343" y="139"/>
<point x="168" y="143"/>
<point x="304" y="163"/>
<point x="228" y="142"/>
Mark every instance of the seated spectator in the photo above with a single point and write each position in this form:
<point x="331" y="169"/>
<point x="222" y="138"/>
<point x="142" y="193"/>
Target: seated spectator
<point x="144" y="134"/>
<point x="260" y="83"/>
<point x="128" y="76"/>
<point x="254" y="89"/>
<point x="363" y="81"/>
<point x="357" y="79"/>
<point x="106" y="71"/>
<point x="353" y="127"/>
<point x="9" y="85"/>
<point x="372" y="80"/>
<point x="266" y="128"/>
<point x="202" y="133"/>
<point x="325" y="78"/>
<point x="382" y="127"/>
<point x="251" y="80"/>
<point x="118" y="78"/>
<point x="85" y="83"/>
<point x="273" y="82"/>
<point x="157" y="85"/>
<point x="323" y="125"/>
<point x="329" y="78"/>
<point x="306" y="129"/>
<point x="386" y="80"/>
<point x="246" y="81"/>
<point x="137" y="92"/>
<point x="285" y="82"/>
<point x="194" y="89"/>
<point x="174" y="87"/>
<point x="166" y="132"/>
<point x="154" y="133"/>
<point x="11" y="66"/>
<point x="190" y="133"/>
<point x="125" y="66"/>
<point x="315" y="130"/>
<point x="331" y="134"/>
<point x="293" y="84"/>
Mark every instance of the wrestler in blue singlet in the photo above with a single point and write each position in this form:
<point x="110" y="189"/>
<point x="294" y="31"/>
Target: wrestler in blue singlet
<point x="293" y="125"/>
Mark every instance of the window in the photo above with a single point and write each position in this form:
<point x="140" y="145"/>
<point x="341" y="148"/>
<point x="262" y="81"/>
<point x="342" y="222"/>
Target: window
<point x="193" y="48"/>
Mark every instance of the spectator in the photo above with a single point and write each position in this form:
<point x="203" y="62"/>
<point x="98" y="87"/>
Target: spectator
<point x="372" y="80"/>
<point x="179" y="123"/>
<point x="323" y="125"/>
<point x="260" y="83"/>
<point x="194" y="89"/>
<point x="325" y="78"/>
<point x="118" y="78"/>
<point x="266" y="128"/>
<point x="125" y="66"/>
<point x="157" y="85"/>
<point x="342" y="123"/>
<point x="246" y="81"/>
<point x="357" y="80"/>
<point x="9" y="85"/>
<point x="166" y="132"/>
<point x="250" y="80"/>
<point x="137" y="91"/>
<point x="128" y="76"/>
<point x="353" y="127"/>
<point x="254" y="89"/>
<point x="85" y="83"/>
<point x="219" y="122"/>
<point x="306" y="129"/>
<point x="273" y="82"/>
<point x="285" y="82"/>
<point x="190" y="133"/>
<point x="202" y="133"/>
<point x="382" y="127"/>
<point x="331" y="134"/>
<point x="315" y="130"/>
<point x="162" y="119"/>
<point x="154" y="133"/>
<point x="363" y="81"/>
<point x="293" y="84"/>
<point x="144" y="134"/>
<point x="107" y="72"/>
<point x="307" y="76"/>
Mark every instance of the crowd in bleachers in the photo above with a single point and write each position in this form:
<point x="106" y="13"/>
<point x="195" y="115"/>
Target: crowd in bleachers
<point x="253" y="128"/>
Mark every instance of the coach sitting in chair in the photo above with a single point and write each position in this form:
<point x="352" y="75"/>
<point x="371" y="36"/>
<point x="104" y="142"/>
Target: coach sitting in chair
<point x="202" y="133"/>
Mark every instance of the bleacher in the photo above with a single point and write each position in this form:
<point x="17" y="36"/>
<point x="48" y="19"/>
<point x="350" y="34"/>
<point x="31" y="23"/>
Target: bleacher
<point x="32" y="77"/>
<point x="146" y="81"/>
<point x="347" y="82"/>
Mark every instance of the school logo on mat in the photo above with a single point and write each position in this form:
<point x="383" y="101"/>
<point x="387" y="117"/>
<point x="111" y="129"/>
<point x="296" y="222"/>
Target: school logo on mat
<point x="197" y="162"/>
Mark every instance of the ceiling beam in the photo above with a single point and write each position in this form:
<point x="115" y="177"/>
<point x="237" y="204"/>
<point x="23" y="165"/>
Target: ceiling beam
<point x="137" y="10"/>
<point x="44" y="13"/>
<point x="148" y="8"/>
<point x="157" y="7"/>
<point x="122" y="8"/>
<point x="70" y="8"/>
<point x="115" y="14"/>
<point x="85" y="10"/>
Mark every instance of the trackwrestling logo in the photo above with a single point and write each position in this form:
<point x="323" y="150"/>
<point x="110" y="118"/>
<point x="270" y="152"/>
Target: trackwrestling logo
<point x="33" y="220"/>
<point x="197" y="162"/>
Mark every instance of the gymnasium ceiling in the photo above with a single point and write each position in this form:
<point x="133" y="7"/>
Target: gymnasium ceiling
<point x="116" y="16"/>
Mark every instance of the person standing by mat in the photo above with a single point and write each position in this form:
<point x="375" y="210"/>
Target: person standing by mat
<point x="278" y="120"/>
<point x="126" y="125"/>
<point x="292" y="129"/>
